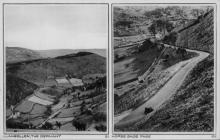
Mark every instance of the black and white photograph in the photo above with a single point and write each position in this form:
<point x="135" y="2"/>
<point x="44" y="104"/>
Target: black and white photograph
<point x="163" y="67"/>
<point x="109" y="69"/>
<point x="56" y="67"/>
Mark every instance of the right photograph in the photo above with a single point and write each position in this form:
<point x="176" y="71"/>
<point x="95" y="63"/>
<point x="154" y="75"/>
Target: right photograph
<point x="163" y="58"/>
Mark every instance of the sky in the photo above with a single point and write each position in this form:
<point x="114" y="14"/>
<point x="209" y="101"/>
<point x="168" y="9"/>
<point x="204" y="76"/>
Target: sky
<point x="43" y="27"/>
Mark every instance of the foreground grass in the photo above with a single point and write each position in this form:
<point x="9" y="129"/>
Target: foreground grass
<point x="191" y="108"/>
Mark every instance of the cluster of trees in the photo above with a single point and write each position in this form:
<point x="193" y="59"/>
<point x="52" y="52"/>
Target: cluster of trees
<point x="48" y="112"/>
<point x="47" y="126"/>
<point x="100" y="127"/>
<point x="79" y="125"/>
<point x="99" y="116"/>
<point x="171" y="38"/>
<point x="123" y="23"/>
<point x="181" y="51"/>
<point x="17" y="125"/>
<point x="161" y="25"/>
<point x="146" y="45"/>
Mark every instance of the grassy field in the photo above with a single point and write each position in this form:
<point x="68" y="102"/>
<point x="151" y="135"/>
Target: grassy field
<point x="191" y="108"/>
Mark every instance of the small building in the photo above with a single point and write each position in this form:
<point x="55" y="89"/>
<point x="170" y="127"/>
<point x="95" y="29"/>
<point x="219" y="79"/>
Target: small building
<point x="76" y="82"/>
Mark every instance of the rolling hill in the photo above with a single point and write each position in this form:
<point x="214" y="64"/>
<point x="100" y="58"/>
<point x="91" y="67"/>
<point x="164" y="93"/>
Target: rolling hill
<point x="61" y="52"/>
<point x="38" y="71"/>
<point x="17" y="54"/>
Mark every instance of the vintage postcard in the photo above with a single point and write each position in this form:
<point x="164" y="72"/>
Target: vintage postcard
<point x="109" y="69"/>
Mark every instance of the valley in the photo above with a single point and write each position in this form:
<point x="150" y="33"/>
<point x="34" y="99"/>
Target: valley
<point x="65" y="93"/>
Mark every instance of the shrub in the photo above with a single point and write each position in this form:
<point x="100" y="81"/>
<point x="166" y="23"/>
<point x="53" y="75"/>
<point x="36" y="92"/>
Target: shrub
<point x="100" y="127"/>
<point x="16" y="125"/>
<point x="47" y="126"/>
<point x="146" y="45"/>
<point x="170" y="39"/>
<point x="99" y="116"/>
<point x="48" y="112"/>
<point x="81" y="126"/>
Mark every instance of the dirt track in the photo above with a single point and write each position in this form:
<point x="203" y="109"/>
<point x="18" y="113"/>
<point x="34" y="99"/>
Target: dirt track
<point x="163" y="94"/>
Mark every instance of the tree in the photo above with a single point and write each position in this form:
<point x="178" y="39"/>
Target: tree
<point x="100" y="127"/>
<point x="161" y="25"/>
<point x="83" y="105"/>
<point x="99" y="116"/>
<point x="181" y="51"/>
<point x="58" y="124"/>
<point x="152" y="29"/>
<point x="47" y="126"/>
<point x="197" y="12"/>
<point x="146" y="45"/>
<point x="78" y="94"/>
<point x="171" y="38"/>
<point x="48" y="111"/>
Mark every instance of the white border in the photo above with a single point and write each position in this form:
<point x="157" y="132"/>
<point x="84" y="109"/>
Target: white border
<point x="110" y="66"/>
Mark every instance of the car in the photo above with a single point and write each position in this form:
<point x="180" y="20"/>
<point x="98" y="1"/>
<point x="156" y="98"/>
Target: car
<point x="148" y="110"/>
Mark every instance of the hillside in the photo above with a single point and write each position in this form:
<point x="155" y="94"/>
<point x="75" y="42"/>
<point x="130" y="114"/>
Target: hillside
<point x="191" y="108"/>
<point x="17" y="89"/>
<point x="61" y="52"/>
<point x="136" y="20"/>
<point x="16" y="54"/>
<point x="40" y="70"/>
<point x="198" y="35"/>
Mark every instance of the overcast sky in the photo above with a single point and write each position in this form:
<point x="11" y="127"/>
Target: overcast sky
<point x="41" y="27"/>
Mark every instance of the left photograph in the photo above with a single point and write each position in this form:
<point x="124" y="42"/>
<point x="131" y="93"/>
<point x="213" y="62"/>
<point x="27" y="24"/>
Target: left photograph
<point x="55" y="71"/>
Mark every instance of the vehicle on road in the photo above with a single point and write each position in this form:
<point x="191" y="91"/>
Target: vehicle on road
<point x="148" y="110"/>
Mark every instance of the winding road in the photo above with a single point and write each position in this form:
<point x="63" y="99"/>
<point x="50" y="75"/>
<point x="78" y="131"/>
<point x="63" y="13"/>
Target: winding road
<point x="163" y="94"/>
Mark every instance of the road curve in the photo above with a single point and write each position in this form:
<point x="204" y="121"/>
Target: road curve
<point x="164" y="93"/>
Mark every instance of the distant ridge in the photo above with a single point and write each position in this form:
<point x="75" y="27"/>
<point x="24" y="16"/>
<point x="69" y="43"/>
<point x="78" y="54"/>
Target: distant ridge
<point x="62" y="52"/>
<point x="17" y="54"/>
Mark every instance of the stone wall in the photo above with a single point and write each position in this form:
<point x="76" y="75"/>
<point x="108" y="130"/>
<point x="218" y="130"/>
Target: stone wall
<point x="200" y="36"/>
